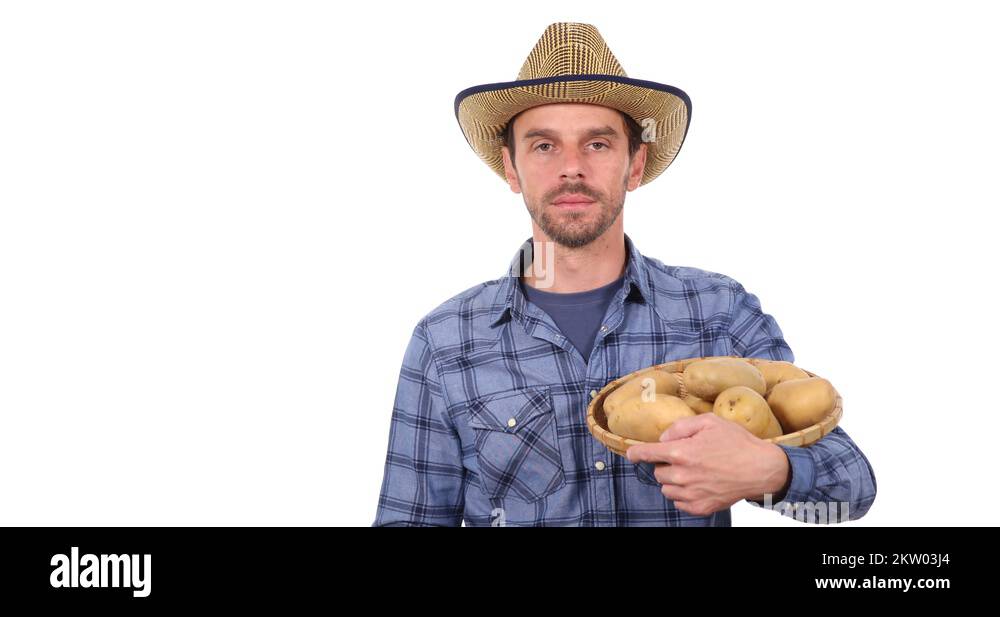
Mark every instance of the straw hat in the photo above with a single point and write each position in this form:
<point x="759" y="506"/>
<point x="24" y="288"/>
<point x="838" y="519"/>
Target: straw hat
<point x="571" y="63"/>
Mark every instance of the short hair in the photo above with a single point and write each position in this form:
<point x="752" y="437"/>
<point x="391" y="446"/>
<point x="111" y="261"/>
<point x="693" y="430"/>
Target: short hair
<point x="633" y="128"/>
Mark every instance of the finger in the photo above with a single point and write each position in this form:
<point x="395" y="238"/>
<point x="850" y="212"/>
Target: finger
<point x="667" y="474"/>
<point x="649" y="453"/>
<point x="675" y="493"/>
<point x="683" y="505"/>
<point x="677" y="474"/>
<point x="695" y="508"/>
<point x="687" y="427"/>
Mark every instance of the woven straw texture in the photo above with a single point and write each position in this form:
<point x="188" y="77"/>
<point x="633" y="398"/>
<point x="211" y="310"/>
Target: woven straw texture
<point x="572" y="64"/>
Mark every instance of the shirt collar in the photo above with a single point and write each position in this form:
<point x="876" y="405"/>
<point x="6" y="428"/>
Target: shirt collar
<point x="510" y="300"/>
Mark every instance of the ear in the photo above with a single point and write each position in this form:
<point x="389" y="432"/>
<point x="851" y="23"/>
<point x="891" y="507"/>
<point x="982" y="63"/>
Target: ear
<point x="636" y="168"/>
<point x="509" y="171"/>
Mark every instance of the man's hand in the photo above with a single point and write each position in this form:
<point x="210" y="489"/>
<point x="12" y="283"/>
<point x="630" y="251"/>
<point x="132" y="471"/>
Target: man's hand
<point x="706" y="464"/>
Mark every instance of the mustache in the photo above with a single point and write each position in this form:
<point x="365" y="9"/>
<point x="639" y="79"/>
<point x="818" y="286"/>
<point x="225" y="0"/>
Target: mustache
<point x="578" y="189"/>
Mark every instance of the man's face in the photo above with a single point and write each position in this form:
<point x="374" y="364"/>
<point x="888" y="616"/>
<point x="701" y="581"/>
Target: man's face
<point x="573" y="169"/>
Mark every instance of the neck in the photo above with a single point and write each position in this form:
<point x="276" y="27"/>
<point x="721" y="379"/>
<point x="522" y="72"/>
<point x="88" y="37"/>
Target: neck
<point x="558" y="269"/>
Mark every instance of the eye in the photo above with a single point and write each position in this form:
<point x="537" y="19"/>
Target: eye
<point x="603" y="146"/>
<point x="543" y="144"/>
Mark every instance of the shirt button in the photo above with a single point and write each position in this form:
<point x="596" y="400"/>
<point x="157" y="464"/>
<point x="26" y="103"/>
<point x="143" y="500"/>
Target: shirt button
<point x="604" y="328"/>
<point x="512" y="423"/>
<point x="593" y="394"/>
<point x="599" y="465"/>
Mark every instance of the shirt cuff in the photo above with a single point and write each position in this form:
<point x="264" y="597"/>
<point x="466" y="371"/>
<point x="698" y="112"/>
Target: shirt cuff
<point x="802" y="469"/>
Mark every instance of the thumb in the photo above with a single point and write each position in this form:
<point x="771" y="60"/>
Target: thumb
<point x="685" y="427"/>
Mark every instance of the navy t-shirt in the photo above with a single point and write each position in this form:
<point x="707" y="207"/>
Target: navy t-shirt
<point x="578" y="315"/>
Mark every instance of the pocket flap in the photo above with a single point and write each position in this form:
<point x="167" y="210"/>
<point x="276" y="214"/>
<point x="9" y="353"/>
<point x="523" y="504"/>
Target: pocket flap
<point x="509" y="410"/>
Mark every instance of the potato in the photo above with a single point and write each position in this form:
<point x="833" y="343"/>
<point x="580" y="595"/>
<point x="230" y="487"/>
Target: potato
<point x="631" y="392"/>
<point x="777" y="371"/>
<point x="647" y="420"/>
<point x="698" y="405"/>
<point x="745" y="407"/>
<point x="707" y="378"/>
<point x="800" y="403"/>
<point x="773" y="428"/>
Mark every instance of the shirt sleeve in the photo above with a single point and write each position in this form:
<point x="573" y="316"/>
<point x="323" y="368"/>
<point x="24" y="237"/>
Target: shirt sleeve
<point x="831" y="479"/>
<point x="754" y="333"/>
<point x="424" y="479"/>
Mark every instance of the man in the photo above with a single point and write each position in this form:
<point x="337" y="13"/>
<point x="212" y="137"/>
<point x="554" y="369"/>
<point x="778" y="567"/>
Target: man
<point x="489" y="422"/>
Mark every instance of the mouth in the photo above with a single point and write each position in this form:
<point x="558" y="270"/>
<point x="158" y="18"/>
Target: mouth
<point x="572" y="201"/>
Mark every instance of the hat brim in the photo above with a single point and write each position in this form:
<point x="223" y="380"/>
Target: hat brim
<point x="484" y="111"/>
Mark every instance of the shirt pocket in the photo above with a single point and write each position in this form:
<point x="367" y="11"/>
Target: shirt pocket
<point x="709" y="341"/>
<point x="644" y="472"/>
<point x="516" y="444"/>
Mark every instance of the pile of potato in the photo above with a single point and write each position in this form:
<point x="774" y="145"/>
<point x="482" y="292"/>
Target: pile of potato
<point x="769" y="398"/>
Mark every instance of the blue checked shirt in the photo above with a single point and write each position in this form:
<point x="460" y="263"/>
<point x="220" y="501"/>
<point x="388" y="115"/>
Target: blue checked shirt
<point x="489" y="421"/>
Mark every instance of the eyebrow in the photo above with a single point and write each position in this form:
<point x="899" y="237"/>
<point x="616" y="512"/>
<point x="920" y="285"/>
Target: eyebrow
<point x="602" y="131"/>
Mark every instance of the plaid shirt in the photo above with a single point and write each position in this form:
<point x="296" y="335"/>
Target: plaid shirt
<point x="489" y="421"/>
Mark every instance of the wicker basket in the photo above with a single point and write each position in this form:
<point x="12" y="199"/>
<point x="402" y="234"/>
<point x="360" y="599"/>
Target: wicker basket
<point x="597" y="422"/>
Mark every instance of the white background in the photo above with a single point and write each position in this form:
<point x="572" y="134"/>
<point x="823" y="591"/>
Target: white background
<point x="220" y="222"/>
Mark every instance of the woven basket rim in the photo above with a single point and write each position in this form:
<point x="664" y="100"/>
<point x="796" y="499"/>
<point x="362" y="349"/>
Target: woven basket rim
<point x="619" y="444"/>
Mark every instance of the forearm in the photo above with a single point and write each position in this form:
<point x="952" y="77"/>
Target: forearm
<point x="420" y="495"/>
<point x="424" y="479"/>
<point x="829" y="481"/>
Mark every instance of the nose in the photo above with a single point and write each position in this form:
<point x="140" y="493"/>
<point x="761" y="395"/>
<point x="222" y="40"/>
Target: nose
<point x="572" y="166"/>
